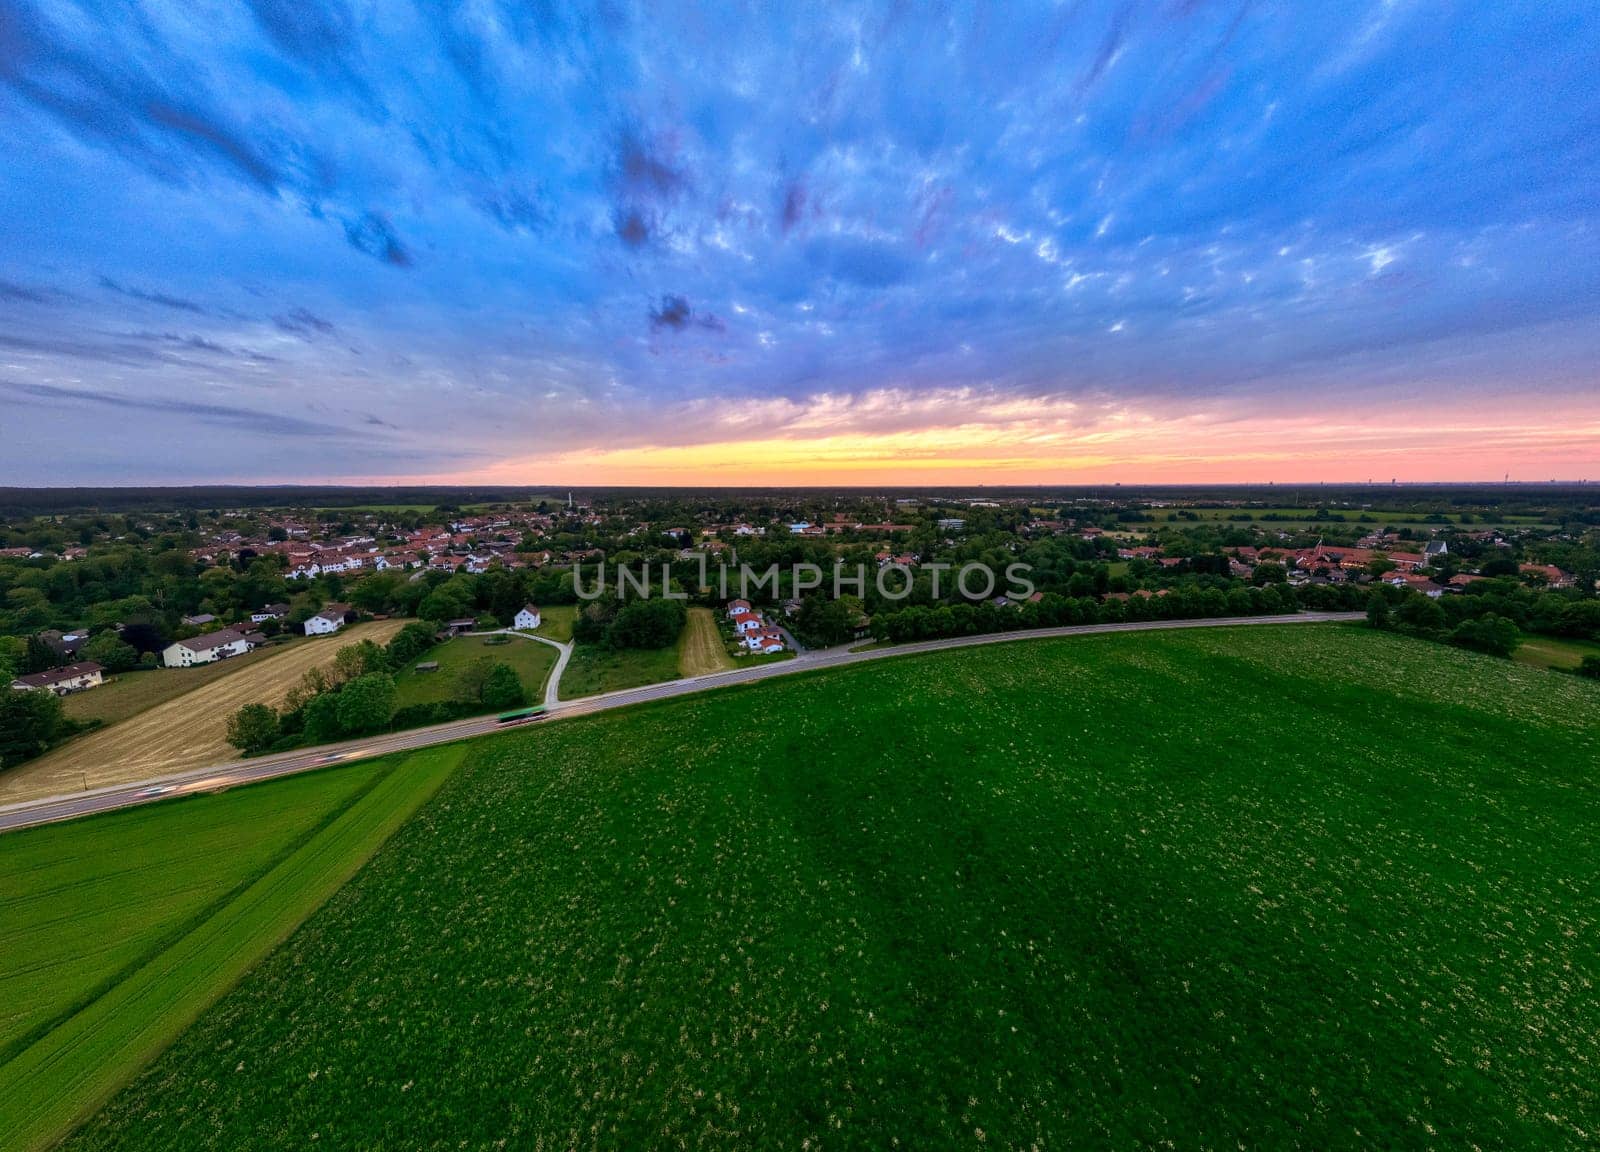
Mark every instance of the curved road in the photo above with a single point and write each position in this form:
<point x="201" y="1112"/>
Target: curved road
<point x="301" y="760"/>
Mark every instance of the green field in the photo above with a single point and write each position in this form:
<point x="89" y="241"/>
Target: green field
<point x="119" y="930"/>
<point x="594" y="669"/>
<point x="555" y="622"/>
<point x="1318" y="888"/>
<point x="532" y="660"/>
<point x="1555" y="652"/>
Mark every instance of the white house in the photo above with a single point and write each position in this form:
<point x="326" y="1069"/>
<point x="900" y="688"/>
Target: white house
<point x="205" y="649"/>
<point x="737" y="607"/>
<point x="528" y="618"/>
<point x="746" y="622"/>
<point x="72" y="678"/>
<point x="328" y="621"/>
<point x="308" y="571"/>
<point x="765" y="640"/>
<point x="270" y="612"/>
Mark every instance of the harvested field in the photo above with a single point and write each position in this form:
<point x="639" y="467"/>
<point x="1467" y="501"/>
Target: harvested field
<point x="189" y="731"/>
<point x="701" y="650"/>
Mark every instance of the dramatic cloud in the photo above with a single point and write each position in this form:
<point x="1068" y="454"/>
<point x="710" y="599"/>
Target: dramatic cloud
<point x="863" y="232"/>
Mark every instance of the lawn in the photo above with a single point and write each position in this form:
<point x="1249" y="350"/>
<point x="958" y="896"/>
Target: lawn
<point x="555" y="622"/>
<point x="1257" y="887"/>
<point x="120" y="930"/>
<point x="594" y="669"/>
<point x="1555" y="652"/>
<point x="187" y="731"/>
<point x="531" y="659"/>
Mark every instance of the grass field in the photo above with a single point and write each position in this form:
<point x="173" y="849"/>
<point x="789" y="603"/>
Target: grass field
<point x="189" y="731"/>
<point x="1554" y="652"/>
<point x="129" y="693"/>
<point x="1317" y="888"/>
<point x="120" y="930"/>
<point x="555" y="622"/>
<point x="702" y="649"/>
<point x="531" y="659"/>
<point x="594" y="669"/>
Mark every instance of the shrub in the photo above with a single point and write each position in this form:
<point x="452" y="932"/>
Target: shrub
<point x="1590" y="666"/>
<point x="503" y="688"/>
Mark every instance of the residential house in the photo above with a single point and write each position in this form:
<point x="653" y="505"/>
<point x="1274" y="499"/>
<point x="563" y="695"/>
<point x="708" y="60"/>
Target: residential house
<point x="738" y="607"/>
<point x="72" y="678"/>
<point x="747" y="622"/>
<point x="328" y="621"/>
<point x="205" y="649"/>
<point x="270" y="612"/>
<point x="1434" y="550"/>
<point x="200" y="620"/>
<point x="527" y="618"/>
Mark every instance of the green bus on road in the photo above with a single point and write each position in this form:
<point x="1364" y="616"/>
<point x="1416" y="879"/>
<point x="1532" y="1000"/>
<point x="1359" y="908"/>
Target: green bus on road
<point x="520" y="714"/>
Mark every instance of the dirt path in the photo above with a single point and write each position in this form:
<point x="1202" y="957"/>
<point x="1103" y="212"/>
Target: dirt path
<point x="189" y="731"/>
<point x="702" y="650"/>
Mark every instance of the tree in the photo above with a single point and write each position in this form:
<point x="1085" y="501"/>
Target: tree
<point x="647" y="624"/>
<point x="1590" y="666"/>
<point x="1378" y="611"/>
<point x="1490" y="633"/>
<point x="253" y="728"/>
<point x="111" y="652"/>
<point x="503" y="688"/>
<point x="366" y="703"/>
<point x="40" y="656"/>
<point x="823" y="621"/>
<point x="29" y="723"/>
<point x="321" y="719"/>
<point x="409" y="643"/>
<point x="1421" y="615"/>
<point x="471" y="679"/>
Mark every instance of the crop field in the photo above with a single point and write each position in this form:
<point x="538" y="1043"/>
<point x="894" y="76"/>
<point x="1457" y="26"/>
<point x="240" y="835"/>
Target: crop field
<point x="594" y="669"/>
<point x="531" y="659"/>
<point x="1264" y="887"/>
<point x="189" y="731"/>
<point x="702" y="650"/>
<point x="119" y="930"/>
<point x="129" y="693"/>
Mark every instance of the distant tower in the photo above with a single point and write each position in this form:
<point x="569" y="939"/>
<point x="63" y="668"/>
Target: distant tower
<point x="569" y="500"/>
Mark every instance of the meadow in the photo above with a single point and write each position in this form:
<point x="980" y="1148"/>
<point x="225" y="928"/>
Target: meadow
<point x="1262" y="887"/>
<point x="594" y="669"/>
<point x="1554" y="652"/>
<point x="555" y="622"/>
<point x="119" y="930"/>
<point x="531" y="660"/>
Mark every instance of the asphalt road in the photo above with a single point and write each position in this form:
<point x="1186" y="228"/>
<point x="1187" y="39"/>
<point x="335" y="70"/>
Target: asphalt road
<point x="301" y="760"/>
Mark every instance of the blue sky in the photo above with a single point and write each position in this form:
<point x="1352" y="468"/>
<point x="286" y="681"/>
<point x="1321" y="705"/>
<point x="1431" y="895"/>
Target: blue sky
<point x="528" y="242"/>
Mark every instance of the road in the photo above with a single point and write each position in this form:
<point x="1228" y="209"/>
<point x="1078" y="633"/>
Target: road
<point x="266" y="767"/>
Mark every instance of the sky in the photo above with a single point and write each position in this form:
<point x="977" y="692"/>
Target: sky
<point x="517" y="242"/>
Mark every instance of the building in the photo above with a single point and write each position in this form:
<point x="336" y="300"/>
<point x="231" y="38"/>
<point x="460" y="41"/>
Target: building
<point x="72" y="678"/>
<point x="747" y="622"/>
<point x="1434" y="550"/>
<point x="328" y="621"/>
<point x="270" y="612"/>
<point x="738" y="608"/>
<point x="205" y="649"/>
<point x="200" y="619"/>
<point x="460" y="627"/>
<point x="527" y="619"/>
